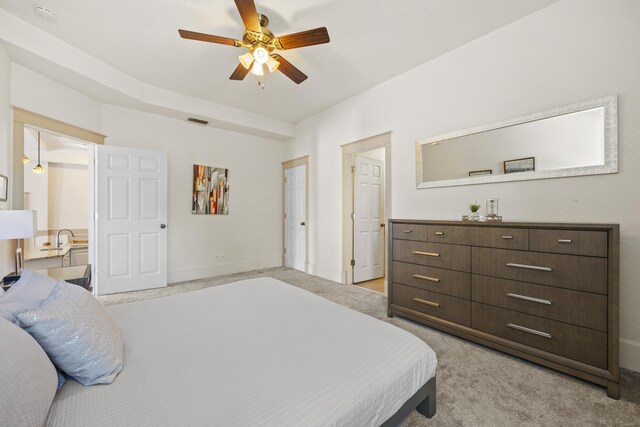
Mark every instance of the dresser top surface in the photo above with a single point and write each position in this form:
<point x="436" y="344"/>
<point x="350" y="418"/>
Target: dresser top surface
<point x="510" y="224"/>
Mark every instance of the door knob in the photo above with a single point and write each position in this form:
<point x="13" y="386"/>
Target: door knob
<point x="382" y="225"/>
<point x="303" y="223"/>
<point x="163" y="226"/>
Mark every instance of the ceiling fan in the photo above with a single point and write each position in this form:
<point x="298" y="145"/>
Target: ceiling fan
<point x="262" y="44"/>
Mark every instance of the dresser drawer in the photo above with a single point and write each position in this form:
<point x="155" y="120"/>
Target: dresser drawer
<point x="457" y="235"/>
<point x="434" y="304"/>
<point x="589" y="243"/>
<point x="582" y="344"/>
<point x="452" y="257"/>
<point x="578" y="308"/>
<point x="449" y="282"/>
<point x="492" y="237"/>
<point x="587" y="274"/>
<point x="410" y="232"/>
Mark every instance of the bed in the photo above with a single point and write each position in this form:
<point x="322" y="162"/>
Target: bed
<point x="255" y="352"/>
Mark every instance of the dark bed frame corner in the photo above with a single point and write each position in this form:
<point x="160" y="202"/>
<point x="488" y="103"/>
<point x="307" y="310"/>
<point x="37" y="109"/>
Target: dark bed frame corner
<point x="424" y="401"/>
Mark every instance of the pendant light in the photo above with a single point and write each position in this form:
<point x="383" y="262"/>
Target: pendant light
<point x="38" y="168"/>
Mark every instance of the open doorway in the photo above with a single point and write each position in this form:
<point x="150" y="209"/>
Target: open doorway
<point x="366" y="206"/>
<point x="368" y="219"/>
<point x="58" y="186"/>
<point x="295" y="174"/>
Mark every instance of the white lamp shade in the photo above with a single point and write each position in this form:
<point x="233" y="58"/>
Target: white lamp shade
<point x="17" y="224"/>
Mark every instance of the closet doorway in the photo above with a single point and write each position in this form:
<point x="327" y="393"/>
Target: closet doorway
<point x="366" y="205"/>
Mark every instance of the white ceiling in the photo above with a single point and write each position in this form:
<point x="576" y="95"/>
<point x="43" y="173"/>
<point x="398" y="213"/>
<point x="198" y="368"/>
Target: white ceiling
<point x="371" y="41"/>
<point x="51" y="141"/>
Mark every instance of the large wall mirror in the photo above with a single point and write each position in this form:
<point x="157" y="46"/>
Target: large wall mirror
<point x="574" y="140"/>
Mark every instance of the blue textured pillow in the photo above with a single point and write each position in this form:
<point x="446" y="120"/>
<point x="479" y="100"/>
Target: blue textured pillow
<point x="77" y="333"/>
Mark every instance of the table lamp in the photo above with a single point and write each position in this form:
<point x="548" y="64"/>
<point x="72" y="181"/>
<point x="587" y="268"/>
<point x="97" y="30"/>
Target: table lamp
<point x="17" y="225"/>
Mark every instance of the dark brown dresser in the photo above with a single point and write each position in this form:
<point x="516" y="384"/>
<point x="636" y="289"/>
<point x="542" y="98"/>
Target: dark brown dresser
<point x="545" y="292"/>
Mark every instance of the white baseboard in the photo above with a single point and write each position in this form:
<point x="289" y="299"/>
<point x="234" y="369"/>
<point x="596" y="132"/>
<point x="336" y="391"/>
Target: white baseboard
<point x="630" y="355"/>
<point x="222" y="269"/>
<point x="325" y="273"/>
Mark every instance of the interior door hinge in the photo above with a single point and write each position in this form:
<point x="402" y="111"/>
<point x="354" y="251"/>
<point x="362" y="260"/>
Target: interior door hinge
<point x="353" y="263"/>
<point x="285" y="250"/>
<point x="353" y="169"/>
<point x="353" y="215"/>
<point x="285" y="179"/>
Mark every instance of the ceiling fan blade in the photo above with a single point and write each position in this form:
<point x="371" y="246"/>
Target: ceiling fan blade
<point x="239" y="73"/>
<point x="249" y="14"/>
<point x="289" y="70"/>
<point x="192" y="35"/>
<point x="304" y="38"/>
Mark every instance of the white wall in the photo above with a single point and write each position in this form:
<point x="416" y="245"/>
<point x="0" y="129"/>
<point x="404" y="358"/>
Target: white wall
<point x="250" y="236"/>
<point x="572" y="51"/>
<point x="6" y="246"/>
<point x="68" y="196"/>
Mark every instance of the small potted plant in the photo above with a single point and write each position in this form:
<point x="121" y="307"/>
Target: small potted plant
<point x="475" y="210"/>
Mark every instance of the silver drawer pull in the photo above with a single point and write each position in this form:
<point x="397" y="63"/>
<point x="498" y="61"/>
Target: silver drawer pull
<point x="507" y="237"/>
<point x="530" y="331"/>
<point x="426" y="253"/>
<point x="528" y="267"/>
<point x="408" y="231"/>
<point x="427" y="278"/>
<point x="564" y="240"/>
<point x="425" y="302"/>
<point x="439" y="233"/>
<point x="526" y="298"/>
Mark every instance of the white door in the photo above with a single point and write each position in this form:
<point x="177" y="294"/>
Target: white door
<point x="131" y="243"/>
<point x="295" y="241"/>
<point x="368" y="236"/>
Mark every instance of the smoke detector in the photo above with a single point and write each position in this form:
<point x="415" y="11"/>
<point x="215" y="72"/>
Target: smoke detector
<point x="45" y="13"/>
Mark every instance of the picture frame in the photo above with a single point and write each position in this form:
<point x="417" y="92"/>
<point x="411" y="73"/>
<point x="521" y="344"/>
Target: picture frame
<point x="4" y="188"/>
<point x="481" y="172"/>
<point x="210" y="191"/>
<point x="525" y="164"/>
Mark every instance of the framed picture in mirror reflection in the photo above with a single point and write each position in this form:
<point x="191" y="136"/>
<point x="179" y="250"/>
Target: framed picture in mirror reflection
<point x="526" y="164"/>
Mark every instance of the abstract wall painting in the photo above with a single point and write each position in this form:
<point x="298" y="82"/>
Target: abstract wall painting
<point x="210" y="190"/>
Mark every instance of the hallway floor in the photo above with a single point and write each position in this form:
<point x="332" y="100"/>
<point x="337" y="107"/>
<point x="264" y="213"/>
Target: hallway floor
<point x="376" y="285"/>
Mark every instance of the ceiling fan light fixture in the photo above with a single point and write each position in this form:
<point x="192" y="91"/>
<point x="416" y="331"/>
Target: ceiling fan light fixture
<point x="272" y="64"/>
<point x="261" y="55"/>
<point x="246" y="60"/>
<point x="257" y="69"/>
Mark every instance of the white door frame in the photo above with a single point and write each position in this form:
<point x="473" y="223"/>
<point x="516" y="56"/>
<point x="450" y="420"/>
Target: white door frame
<point x="348" y="154"/>
<point x="289" y="164"/>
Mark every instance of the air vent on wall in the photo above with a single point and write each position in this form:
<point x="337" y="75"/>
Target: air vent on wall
<point x="198" y="121"/>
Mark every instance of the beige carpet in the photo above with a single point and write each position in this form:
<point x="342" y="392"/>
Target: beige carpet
<point x="476" y="386"/>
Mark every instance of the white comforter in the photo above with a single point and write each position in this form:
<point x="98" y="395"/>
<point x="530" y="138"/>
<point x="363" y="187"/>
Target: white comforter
<point x="252" y="353"/>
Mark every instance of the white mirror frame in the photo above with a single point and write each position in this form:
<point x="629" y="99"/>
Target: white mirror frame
<point x="610" y="104"/>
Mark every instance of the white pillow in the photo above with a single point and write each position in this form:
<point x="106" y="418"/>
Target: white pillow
<point x="77" y="333"/>
<point x="27" y="378"/>
<point x="30" y="291"/>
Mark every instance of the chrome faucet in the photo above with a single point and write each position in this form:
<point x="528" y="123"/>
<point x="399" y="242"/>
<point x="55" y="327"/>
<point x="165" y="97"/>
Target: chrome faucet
<point x="58" y="236"/>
